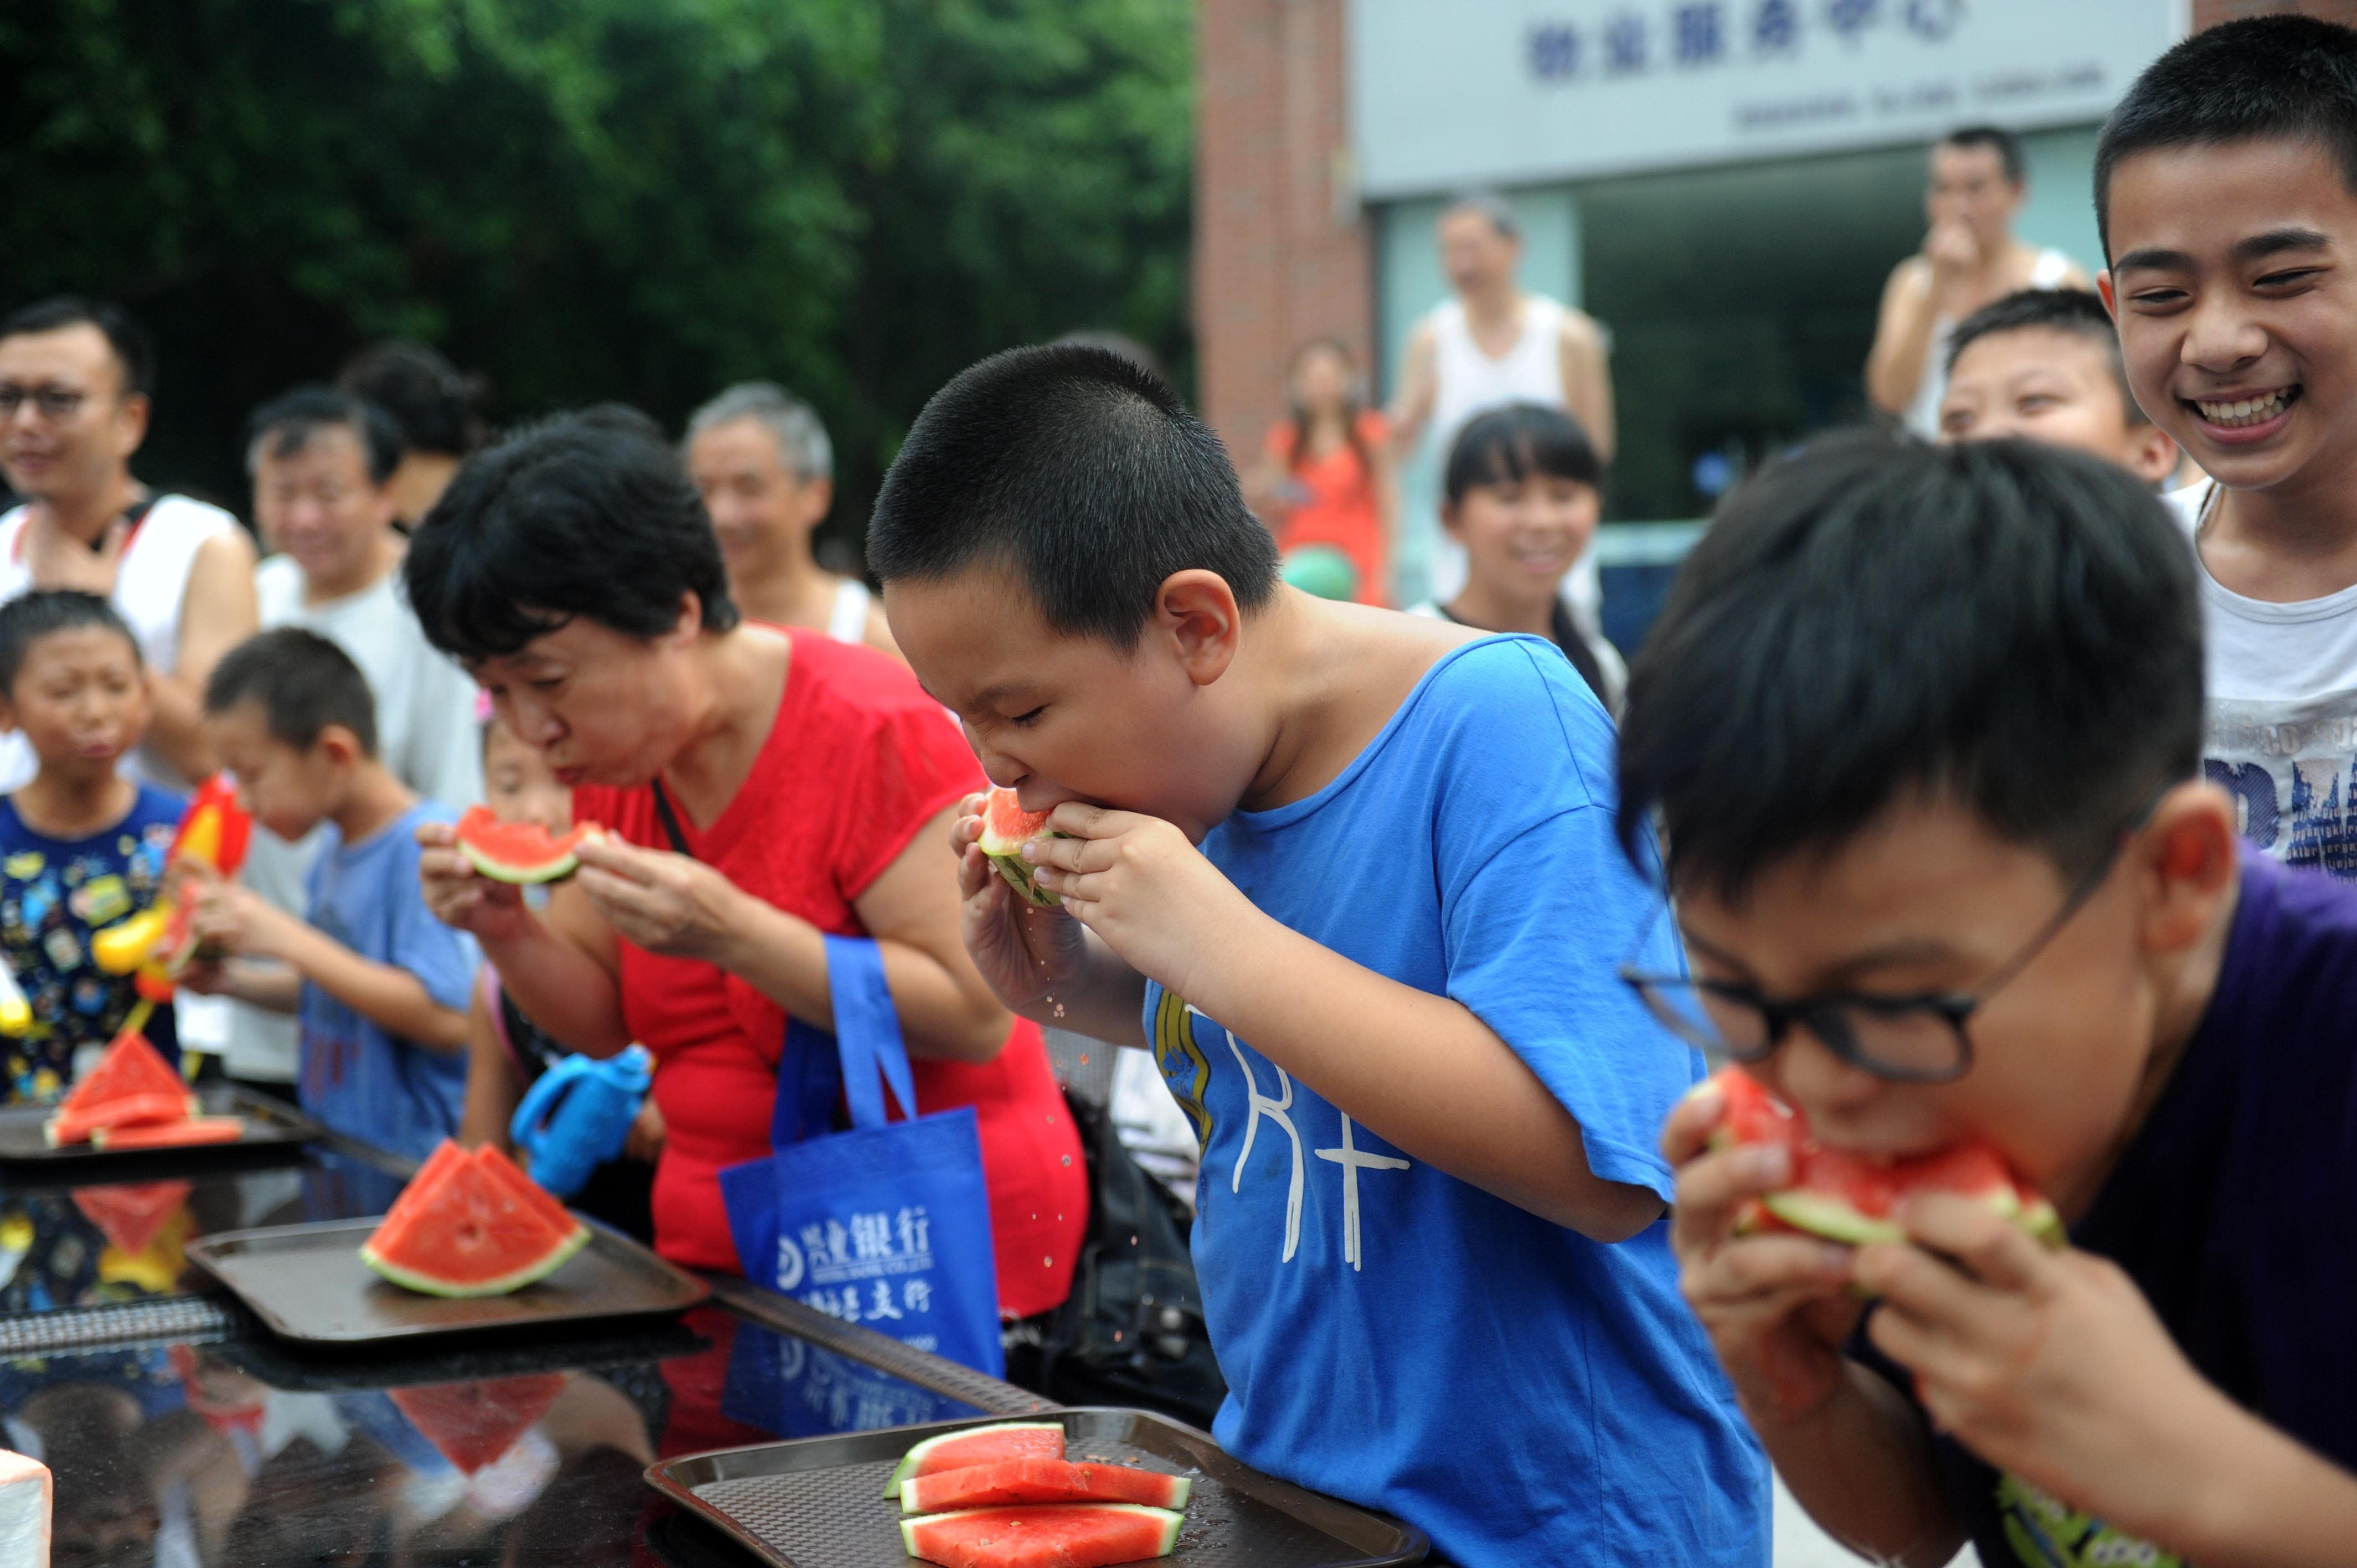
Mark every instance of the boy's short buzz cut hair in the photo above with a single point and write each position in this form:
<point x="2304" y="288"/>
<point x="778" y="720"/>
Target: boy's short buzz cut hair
<point x="2283" y="77"/>
<point x="1082" y="475"/>
<point x="29" y="618"/>
<point x="2010" y="627"/>
<point x="2071" y="311"/>
<point x="304" y="684"/>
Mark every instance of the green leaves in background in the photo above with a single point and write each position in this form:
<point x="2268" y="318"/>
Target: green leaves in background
<point x="585" y="199"/>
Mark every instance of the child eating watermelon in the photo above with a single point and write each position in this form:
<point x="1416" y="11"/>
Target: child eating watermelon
<point x="378" y="984"/>
<point x="1924" y="730"/>
<point x="81" y="847"/>
<point x="1429" y="1232"/>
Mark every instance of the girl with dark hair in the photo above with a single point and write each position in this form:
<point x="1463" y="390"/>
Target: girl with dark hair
<point x="1326" y="472"/>
<point x="1523" y="494"/>
<point x="761" y="788"/>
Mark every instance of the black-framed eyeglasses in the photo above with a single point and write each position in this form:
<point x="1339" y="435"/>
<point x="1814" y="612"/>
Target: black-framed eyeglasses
<point x="53" y="403"/>
<point x="1912" y="1039"/>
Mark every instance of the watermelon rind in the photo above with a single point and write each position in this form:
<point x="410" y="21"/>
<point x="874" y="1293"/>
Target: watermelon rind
<point x="539" y="1269"/>
<point x="912" y="1530"/>
<point x="1174" y="1490"/>
<point x="557" y="870"/>
<point x="1019" y="874"/>
<point x="1836" y="1219"/>
<point x="912" y="1462"/>
<point x="186" y="1133"/>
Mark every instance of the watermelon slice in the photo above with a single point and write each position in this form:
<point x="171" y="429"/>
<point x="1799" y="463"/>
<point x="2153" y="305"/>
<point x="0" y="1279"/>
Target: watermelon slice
<point x="1058" y="1535"/>
<point x="475" y="1423"/>
<point x="131" y="1214"/>
<point x="518" y="851"/>
<point x="131" y="1085"/>
<point x="169" y="1134"/>
<point x="978" y="1446"/>
<point x="1854" y="1198"/>
<point x="1042" y="1481"/>
<point x="1005" y="828"/>
<point x="463" y="1228"/>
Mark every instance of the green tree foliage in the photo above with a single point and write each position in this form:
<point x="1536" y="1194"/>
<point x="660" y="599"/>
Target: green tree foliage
<point x="586" y="199"/>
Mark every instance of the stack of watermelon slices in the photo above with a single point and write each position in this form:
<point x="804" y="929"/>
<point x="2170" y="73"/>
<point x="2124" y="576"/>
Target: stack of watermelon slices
<point x="1004" y="1497"/>
<point x="470" y="1223"/>
<point x="133" y="1099"/>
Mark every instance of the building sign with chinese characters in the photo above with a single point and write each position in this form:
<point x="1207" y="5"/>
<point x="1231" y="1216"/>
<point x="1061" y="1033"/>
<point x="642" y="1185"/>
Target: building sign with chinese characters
<point x="1452" y="92"/>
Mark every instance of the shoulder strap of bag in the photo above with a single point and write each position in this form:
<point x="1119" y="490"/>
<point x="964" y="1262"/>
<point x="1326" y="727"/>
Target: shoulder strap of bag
<point x="867" y="1027"/>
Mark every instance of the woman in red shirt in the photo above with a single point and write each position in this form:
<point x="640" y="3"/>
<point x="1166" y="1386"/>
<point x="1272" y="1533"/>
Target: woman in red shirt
<point x="1326" y="473"/>
<point x="573" y="571"/>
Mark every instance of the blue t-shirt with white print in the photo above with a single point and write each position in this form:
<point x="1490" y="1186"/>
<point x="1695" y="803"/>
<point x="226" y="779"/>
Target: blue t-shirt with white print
<point x="1396" y="1336"/>
<point x="357" y="1078"/>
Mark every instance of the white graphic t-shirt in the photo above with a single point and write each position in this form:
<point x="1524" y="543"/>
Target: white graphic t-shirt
<point x="2282" y="727"/>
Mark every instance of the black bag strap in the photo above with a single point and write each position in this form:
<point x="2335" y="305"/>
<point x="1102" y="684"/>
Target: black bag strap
<point x="670" y="819"/>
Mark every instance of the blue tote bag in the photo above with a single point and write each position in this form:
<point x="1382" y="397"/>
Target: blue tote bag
<point x="887" y="1225"/>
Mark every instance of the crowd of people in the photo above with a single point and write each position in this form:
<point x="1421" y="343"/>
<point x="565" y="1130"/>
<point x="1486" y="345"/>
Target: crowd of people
<point x="1977" y="782"/>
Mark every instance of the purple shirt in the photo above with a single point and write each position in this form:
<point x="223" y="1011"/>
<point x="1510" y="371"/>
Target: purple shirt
<point x="2235" y="1210"/>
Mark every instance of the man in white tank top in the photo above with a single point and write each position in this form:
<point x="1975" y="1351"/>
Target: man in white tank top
<point x="74" y="383"/>
<point x="766" y="470"/>
<point x="1494" y="344"/>
<point x="1969" y="257"/>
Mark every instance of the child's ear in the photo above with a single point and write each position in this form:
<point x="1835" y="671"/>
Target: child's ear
<point x="1196" y="612"/>
<point x="2151" y="454"/>
<point x="7" y="715"/>
<point x="2189" y="856"/>
<point x="339" y="745"/>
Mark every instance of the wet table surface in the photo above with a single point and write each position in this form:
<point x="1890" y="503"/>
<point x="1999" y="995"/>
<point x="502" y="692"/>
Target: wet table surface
<point x="226" y="1447"/>
<point x="234" y="1451"/>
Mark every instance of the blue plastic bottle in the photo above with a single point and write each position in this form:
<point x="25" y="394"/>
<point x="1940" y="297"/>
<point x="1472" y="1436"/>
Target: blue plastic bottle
<point x="578" y="1116"/>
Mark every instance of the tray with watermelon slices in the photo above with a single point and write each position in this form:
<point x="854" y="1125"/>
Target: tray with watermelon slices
<point x="1076" y="1488"/>
<point x="470" y="1246"/>
<point x="133" y="1105"/>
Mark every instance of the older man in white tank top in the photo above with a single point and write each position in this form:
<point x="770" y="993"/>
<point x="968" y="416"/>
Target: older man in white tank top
<point x="73" y="408"/>
<point x="1496" y="344"/>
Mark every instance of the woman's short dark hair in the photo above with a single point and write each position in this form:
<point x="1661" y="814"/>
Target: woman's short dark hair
<point x="580" y="516"/>
<point x="1507" y="445"/>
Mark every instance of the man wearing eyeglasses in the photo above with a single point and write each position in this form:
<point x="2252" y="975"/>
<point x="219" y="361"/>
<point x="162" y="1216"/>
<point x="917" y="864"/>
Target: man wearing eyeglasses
<point x="1923" y="729"/>
<point x="75" y="379"/>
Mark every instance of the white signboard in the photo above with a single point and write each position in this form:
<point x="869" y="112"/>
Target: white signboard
<point x="1452" y="92"/>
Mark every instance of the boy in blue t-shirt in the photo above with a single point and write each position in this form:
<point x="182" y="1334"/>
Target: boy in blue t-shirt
<point x="1429" y="1224"/>
<point x="80" y="846"/>
<point x="1924" y="729"/>
<point x="379" y="984"/>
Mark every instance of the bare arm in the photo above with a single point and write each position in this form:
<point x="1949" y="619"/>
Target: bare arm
<point x="1419" y="387"/>
<point x="491" y="1087"/>
<point x="1861" y="1464"/>
<point x="1588" y="379"/>
<point x="392" y="999"/>
<point x="217" y="612"/>
<point x="1902" y="337"/>
<point x="669" y="903"/>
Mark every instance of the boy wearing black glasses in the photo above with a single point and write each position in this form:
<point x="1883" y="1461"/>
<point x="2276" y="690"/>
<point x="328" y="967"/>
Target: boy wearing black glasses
<point x="1924" y="727"/>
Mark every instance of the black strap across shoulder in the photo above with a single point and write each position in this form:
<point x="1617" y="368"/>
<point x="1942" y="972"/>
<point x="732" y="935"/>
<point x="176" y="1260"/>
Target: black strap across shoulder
<point x="669" y="820"/>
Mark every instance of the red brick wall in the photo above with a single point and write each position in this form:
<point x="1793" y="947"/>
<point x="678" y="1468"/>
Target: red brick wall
<point x="2210" y="12"/>
<point x="1281" y="252"/>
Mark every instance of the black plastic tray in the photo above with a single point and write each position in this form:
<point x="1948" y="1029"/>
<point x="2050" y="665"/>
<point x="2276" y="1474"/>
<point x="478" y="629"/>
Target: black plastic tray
<point x="308" y="1285"/>
<point x="269" y="1124"/>
<point x="820" y="1502"/>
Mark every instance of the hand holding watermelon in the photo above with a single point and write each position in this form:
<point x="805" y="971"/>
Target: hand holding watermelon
<point x="665" y="903"/>
<point x="464" y="898"/>
<point x="1777" y="1308"/>
<point x="1148" y="894"/>
<point x="1024" y="950"/>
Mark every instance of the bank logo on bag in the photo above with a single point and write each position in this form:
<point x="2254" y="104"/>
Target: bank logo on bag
<point x="868" y="1268"/>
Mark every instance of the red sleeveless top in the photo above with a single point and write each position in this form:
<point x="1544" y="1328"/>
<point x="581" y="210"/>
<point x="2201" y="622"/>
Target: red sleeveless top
<point x="859" y="761"/>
